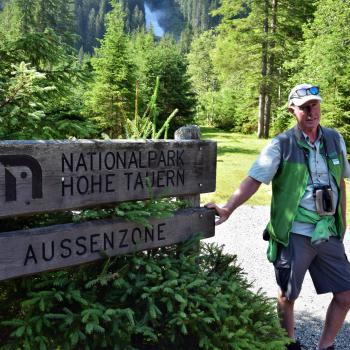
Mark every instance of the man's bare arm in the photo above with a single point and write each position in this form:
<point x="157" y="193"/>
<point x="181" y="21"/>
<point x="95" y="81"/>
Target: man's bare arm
<point x="245" y="190"/>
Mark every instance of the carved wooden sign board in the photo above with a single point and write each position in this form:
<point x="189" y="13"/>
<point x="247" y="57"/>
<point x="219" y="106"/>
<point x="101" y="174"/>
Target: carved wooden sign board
<point x="58" y="246"/>
<point x="43" y="176"/>
<point x="52" y="175"/>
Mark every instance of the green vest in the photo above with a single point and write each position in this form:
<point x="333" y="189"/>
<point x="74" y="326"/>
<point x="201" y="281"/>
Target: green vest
<point x="290" y="181"/>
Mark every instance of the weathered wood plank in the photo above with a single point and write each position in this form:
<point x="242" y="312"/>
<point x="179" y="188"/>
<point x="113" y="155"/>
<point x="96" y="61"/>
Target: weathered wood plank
<point x="37" y="176"/>
<point x="40" y="249"/>
<point x="189" y="132"/>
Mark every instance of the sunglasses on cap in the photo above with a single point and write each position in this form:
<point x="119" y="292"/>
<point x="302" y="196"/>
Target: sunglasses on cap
<point x="313" y="90"/>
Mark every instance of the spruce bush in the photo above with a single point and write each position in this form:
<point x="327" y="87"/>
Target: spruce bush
<point x="178" y="297"/>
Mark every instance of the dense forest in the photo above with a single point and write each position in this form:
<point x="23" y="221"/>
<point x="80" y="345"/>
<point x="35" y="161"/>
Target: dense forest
<point x="181" y="18"/>
<point x="79" y="67"/>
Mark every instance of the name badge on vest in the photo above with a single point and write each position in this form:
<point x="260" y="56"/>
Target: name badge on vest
<point x="335" y="161"/>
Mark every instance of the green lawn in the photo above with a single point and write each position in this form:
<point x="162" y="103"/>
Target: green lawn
<point x="236" y="153"/>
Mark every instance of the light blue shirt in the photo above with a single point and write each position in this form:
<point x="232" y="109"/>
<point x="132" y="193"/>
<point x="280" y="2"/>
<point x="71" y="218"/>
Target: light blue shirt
<point x="266" y="166"/>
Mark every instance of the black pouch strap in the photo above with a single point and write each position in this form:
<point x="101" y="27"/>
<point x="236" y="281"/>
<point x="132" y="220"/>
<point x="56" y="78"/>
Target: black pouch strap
<point x="266" y="235"/>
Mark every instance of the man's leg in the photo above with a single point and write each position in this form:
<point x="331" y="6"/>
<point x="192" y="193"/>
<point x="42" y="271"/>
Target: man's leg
<point x="330" y="272"/>
<point x="336" y="313"/>
<point x="285" y="308"/>
<point x="290" y="272"/>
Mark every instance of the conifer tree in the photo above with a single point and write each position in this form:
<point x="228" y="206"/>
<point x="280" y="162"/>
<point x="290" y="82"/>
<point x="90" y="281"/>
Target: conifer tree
<point x="197" y="13"/>
<point x="111" y="96"/>
<point x="203" y="78"/>
<point x="255" y="39"/>
<point x="90" y="16"/>
<point x="168" y="63"/>
<point x="324" y="61"/>
<point x="39" y="74"/>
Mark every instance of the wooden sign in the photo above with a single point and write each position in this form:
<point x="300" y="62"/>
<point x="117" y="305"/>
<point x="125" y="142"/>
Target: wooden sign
<point x="37" y="176"/>
<point x="40" y="249"/>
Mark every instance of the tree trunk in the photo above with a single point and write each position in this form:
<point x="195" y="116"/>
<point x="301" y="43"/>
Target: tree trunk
<point x="261" y="123"/>
<point x="262" y="96"/>
<point x="271" y="68"/>
<point x="267" y="113"/>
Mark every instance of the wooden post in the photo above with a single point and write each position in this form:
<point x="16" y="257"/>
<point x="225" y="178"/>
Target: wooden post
<point x="190" y="132"/>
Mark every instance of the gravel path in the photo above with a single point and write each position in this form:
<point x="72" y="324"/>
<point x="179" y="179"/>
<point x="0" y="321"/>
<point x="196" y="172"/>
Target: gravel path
<point x="242" y="235"/>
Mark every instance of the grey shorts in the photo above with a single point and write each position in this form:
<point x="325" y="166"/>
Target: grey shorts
<point x="327" y="263"/>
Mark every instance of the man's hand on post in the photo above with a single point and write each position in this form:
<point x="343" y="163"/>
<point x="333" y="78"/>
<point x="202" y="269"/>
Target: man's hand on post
<point x="222" y="212"/>
<point x="245" y="190"/>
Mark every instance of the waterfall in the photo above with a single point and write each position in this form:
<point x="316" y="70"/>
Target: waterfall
<point x="152" y="20"/>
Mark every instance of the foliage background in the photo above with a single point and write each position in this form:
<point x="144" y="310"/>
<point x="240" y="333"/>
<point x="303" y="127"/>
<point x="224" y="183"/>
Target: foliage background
<point x="75" y="68"/>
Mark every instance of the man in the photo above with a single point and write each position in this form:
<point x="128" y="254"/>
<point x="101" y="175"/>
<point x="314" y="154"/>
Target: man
<point x="307" y="165"/>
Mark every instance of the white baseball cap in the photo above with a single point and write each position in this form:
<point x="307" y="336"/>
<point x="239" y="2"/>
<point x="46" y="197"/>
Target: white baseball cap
<point x="303" y="93"/>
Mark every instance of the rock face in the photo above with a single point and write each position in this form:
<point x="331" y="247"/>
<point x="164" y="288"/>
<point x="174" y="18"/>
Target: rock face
<point x="242" y="235"/>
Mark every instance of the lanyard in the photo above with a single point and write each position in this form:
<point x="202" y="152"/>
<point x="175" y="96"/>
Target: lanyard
<point x="306" y="157"/>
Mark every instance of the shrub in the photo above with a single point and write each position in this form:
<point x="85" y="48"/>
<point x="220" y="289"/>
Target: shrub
<point x="178" y="297"/>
